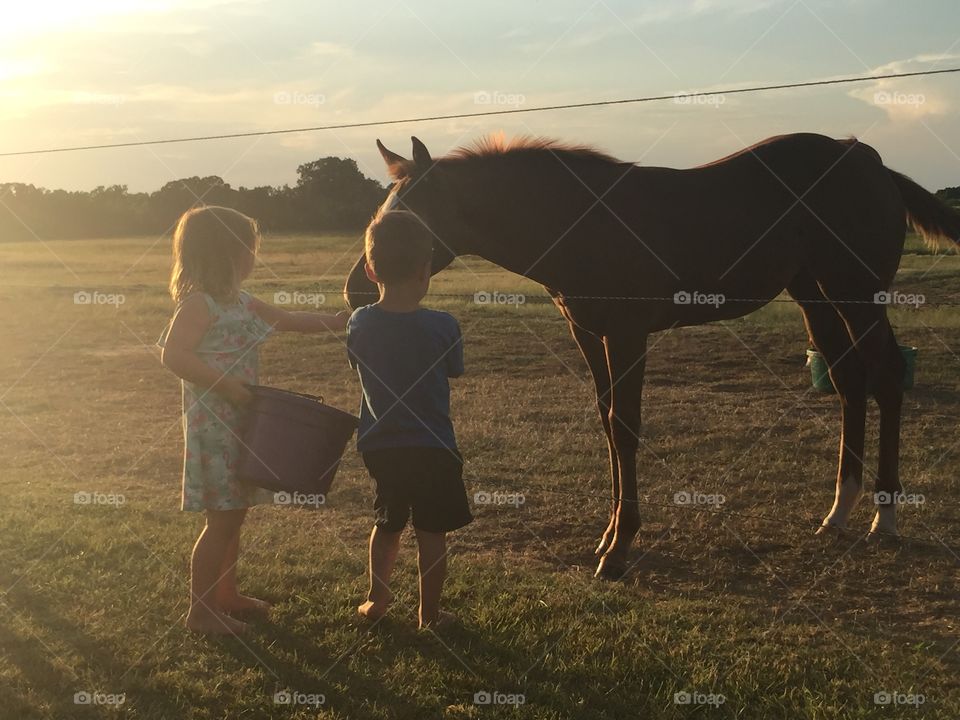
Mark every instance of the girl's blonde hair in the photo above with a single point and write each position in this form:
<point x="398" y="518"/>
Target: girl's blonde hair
<point x="212" y="247"/>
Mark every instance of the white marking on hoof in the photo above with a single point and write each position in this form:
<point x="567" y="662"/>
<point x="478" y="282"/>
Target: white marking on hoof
<point x="885" y="521"/>
<point x="847" y="495"/>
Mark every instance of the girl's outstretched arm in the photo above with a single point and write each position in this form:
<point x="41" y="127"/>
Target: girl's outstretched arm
<point x="189" y="324"/>
<point x="305" y="322"/>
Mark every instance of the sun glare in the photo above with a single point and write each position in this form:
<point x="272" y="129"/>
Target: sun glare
<point x="40" y="16"/>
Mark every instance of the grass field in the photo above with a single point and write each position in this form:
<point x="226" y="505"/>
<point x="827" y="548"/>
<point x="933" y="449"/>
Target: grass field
<point x="753" y="611"/>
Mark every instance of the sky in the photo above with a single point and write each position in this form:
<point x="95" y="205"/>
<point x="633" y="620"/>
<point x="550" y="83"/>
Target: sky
<point x="124" y="70"/>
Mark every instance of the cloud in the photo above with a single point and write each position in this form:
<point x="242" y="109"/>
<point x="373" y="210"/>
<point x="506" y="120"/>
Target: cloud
<point x="686" y="9"/>
<point x="617" y="22"/>
<point x="328" y="49"/>
<point x="513" y="33"/>
<point x="910" y="99"/>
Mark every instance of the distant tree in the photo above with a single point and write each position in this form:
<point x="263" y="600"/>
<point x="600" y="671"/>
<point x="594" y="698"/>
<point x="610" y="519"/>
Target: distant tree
<point x="331" y="194"/>
<point x="263" y="203"/>
<point x="176" y="197"/>
<point x="950" y="195"/>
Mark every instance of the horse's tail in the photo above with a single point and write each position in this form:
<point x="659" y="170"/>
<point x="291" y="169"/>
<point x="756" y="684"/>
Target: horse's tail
<point x="933" y="219"/>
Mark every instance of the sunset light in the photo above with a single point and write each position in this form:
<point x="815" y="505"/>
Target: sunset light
<point x="414" y="360"/>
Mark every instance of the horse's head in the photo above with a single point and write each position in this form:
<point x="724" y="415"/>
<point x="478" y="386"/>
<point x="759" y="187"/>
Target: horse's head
<point x="420" y="187"/>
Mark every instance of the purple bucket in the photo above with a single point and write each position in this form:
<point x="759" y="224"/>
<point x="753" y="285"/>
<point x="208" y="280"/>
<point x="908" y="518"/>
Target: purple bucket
<point x="292" y="442"/>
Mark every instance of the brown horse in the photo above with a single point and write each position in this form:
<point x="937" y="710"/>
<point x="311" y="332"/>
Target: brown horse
<point x="822" y="218"/>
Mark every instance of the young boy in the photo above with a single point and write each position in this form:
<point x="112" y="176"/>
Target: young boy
<point x="404" y="355"/>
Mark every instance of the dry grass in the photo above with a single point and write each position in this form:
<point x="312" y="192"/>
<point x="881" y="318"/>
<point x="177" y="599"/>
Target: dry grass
<point x="756" y="609"/>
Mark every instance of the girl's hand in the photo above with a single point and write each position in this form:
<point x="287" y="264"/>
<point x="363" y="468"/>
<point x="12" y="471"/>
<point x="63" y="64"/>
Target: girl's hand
<point x="179" y="353"/>
<point x="234" y="392"/>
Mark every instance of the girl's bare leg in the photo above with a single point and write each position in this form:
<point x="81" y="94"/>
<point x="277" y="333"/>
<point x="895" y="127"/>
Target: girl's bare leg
<point x="206" y="566"/>
<point x="229" y="599"/>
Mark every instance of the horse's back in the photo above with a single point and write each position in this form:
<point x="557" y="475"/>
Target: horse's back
<point x="837" y="209"/>
<point x="792" y="145"/>
<point x="746" y="224"/>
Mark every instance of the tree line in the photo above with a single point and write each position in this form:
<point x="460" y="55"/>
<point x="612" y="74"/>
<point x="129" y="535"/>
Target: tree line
<point x="950" y="195"/>
<point x="331" y="194"/>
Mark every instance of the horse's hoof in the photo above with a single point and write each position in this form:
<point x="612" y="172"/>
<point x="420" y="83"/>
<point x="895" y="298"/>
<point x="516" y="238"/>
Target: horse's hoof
<point x="884" y="525"/>
<point x="831" y="532"/>
<point x="609" y="569"/>
<point x="877" y="537"/>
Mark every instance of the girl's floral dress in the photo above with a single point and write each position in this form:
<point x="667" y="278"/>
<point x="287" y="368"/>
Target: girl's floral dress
<point x="211" y="424"/>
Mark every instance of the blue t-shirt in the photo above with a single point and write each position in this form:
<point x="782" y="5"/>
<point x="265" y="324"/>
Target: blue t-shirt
<point x="404" y="360"/>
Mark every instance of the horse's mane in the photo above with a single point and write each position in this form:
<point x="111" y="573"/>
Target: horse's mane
<point x="493" y="146"/>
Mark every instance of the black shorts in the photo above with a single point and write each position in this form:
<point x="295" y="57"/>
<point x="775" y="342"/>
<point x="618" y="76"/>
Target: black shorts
<point x="427" y="481"/>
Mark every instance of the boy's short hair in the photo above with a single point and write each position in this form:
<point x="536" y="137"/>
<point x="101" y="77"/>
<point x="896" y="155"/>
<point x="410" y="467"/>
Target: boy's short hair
<point x="397" y="246"/>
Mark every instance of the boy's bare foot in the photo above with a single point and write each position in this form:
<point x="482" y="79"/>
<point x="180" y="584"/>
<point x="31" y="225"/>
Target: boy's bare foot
<point x="373" y="610"/>
<point x="244" y="604"/>
<point x="442" y="620"/>
<point x="214" y="623"/>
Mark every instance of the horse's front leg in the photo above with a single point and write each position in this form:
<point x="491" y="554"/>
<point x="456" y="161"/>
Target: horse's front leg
<point x="626" y="361"/>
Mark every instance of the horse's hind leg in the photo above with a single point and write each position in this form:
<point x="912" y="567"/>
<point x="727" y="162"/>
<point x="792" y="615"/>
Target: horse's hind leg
<point x="884" y="366"/>
<point x="594" y="353"/>
<point x="830" y="336"/>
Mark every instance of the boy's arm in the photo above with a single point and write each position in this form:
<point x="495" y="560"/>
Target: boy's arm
<point x="305" y="322"/>
<point x="179" y="353"/>
<point x="454" y="357"/>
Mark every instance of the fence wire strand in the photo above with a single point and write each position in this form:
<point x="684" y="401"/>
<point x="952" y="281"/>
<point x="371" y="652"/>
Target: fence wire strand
<point x="486" y="113"/>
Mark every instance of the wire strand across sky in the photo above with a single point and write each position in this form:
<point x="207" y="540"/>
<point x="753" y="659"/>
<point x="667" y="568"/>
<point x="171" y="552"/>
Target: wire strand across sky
<point x="485" y="113"/>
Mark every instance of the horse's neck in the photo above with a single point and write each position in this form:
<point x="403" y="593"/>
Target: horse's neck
<point x="518" y="222"/>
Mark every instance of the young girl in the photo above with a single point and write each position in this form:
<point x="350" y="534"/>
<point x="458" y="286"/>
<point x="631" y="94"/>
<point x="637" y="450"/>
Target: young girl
<point x="211" y="344"/>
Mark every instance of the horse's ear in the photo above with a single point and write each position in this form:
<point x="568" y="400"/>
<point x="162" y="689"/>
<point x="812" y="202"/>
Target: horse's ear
<point x="397" y="165"/>
<point x="421" y="156"/>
